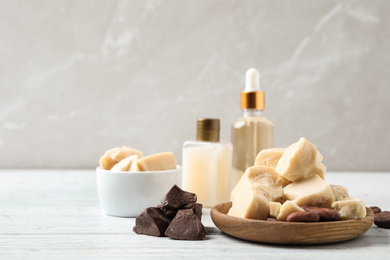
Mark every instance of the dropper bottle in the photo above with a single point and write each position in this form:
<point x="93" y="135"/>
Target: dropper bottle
<point x="252" y="132"/>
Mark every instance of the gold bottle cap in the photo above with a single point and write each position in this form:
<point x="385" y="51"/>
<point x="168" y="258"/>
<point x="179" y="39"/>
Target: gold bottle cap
<point x="207" y="130"/>
<point x="252" y="99"/>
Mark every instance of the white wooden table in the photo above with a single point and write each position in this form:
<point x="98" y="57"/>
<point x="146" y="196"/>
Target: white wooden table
<point x="55" y="214"/>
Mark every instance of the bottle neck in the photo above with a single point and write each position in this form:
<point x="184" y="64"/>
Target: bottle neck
<point x="252" y="112"/>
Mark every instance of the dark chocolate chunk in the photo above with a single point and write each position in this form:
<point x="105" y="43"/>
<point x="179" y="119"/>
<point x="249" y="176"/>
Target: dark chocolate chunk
<point x="176" y="197"/>
<point x="170" y="213"/>
<point x="152" y="222"/>
<point x="196" y="207"/>
<point x="186" y="226"/>
<point x="381" y="219"/>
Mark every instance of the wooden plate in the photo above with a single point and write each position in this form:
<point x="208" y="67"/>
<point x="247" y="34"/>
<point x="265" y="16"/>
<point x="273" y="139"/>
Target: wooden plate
<point x="288" y="232"/>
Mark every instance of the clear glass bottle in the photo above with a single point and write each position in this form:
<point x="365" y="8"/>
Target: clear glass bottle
<point x="207" y="164"/>
<point x="252" y="132"/>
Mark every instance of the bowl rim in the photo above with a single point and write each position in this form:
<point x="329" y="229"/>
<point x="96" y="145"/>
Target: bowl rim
<point x="271" y="232"/>
<point x="100" y="170"/>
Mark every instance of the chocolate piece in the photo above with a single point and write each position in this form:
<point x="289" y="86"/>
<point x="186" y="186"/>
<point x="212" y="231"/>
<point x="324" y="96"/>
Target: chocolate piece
<point x="376" y="209"/>
<point x="152" y="222"/>
<point x="176" y="197"/>
<point x="382" y="219"/>
<point x="196" y="207"/>
<point x="170" y="213"/>
<point x="324" y="213"/>
<point x="186" y="226"/>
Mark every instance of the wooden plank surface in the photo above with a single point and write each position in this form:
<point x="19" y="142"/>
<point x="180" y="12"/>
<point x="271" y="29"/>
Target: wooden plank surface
<point x="55" y="214"/>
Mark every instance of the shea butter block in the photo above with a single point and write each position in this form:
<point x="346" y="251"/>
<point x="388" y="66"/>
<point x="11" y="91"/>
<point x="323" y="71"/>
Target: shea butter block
<point x="299" y="161"/>
<point x="313" y="191"/>
<point x="251" y="196"/>
<point x="157" y="162"/>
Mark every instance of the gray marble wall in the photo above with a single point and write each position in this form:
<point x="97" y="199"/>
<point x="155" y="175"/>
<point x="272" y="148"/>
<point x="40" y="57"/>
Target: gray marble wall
<point x="79" y="77"/>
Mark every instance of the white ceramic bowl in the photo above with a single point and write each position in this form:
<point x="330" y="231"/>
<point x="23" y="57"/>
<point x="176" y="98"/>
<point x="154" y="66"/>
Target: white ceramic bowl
<point x="127" y="194"/>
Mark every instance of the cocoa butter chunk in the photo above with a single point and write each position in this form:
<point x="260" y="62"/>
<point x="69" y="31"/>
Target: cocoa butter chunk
<point x="176" y="198"/>
<point x="288" y="208"/>
<point x="269" y="157"/>
<point x="274" y="209"/>
<point x="186" y="226"/>
<point x="152" y="222"/>
<point x="127" y="164"/>
<point x="339" y="192"/>
<point x="115" y="155"/>
<point x="300" y="160"/>
<point x="350" y="208"/>
<point x="257" y="187"/>
<point x="312" y="191"/>
<point x="157" y="162"/>
<point x="196" y="208"/>
<point x="324" y="213"/>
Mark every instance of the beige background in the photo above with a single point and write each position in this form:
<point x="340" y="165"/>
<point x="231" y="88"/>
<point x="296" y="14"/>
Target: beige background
<point x="79" y="77"/>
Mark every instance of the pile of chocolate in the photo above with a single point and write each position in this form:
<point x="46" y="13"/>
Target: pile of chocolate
<point x="177" y="216"/>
